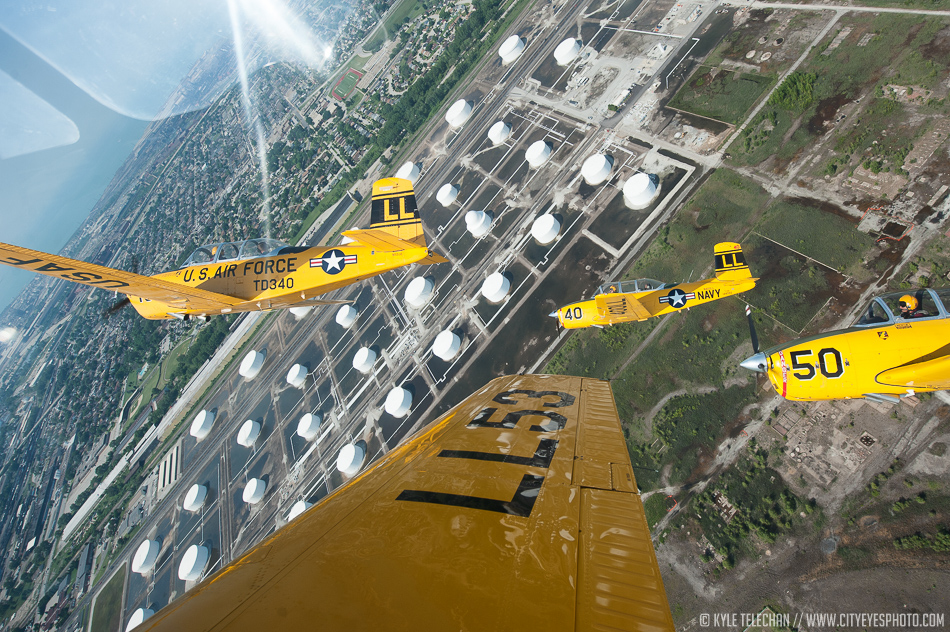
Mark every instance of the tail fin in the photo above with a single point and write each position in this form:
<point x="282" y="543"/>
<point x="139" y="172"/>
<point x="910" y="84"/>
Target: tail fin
<point x="394" y="210"/>
<point x="730" y="262"/>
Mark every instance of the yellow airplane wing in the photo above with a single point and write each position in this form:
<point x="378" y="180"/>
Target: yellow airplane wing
<point x="516" y="510"/>
<point x="621" y="307"/>
<point x="111" y="279"/>
<point x="930" y="371"/>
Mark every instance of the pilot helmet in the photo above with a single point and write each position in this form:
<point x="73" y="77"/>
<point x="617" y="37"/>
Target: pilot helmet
<point x="907" y="302"/>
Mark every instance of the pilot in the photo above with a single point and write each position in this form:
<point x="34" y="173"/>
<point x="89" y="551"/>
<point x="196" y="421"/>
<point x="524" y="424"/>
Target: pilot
<point x="611" y="289"/>
<point x="908" y="306"/>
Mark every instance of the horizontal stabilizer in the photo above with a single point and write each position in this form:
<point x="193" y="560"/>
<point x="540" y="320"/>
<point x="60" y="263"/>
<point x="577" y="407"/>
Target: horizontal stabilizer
<point x="378" y="239"/>
<point x="129" y="283"/>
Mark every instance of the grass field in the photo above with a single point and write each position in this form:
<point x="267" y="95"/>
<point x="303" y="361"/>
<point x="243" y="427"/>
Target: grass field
<point x="818" y="234"/>
<point x="845" y="74"/>
<point x="347" y="84"/>
<point x="655" y="508"/>
<point x="107" y="612"/>
<point x="720" y="94"/>
<point x="406" y="10"/>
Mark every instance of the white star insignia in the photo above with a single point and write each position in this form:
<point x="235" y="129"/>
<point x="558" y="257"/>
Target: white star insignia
<point x="333" y="262"/>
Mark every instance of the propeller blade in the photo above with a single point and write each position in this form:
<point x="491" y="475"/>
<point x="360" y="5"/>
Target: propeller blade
<point x="755" y="338"/>
<point x="116" y="307"/>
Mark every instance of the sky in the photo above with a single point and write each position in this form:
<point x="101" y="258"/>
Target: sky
<point x="81" y="79"/>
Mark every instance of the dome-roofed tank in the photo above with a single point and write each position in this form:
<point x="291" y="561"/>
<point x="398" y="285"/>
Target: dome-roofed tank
<point x="309" y="425"/>
<point x="193" y="562"/>
<point x="499" y="132"/>
<point x="195" y="498"/>
<point x="346" y="316"/>
<point x="478" y="223"/>
<point x="364" y="359"/>
<point x="297" y="375"/>
<point x="408" y="171"/>
<point x="567" y="51"/>
<point x="419" y="292"/>
<point x="511" y="49"/>
<point x="254" y="491"/>
<point x="496" y="287"/>
<point x="398" y="402"/>
<point x="597" y="168"/>
<point x="446" y="345"/>
<point x="538" y="153"/>
<point x="459" y="113"/>
<point x="447" y="194"/>
<point x="138" y="618"/>
<point x="201" y="426"/>
<point x="249" y="432"/>
<point x="251" y="364"/>
<point x="351" y="458"/>
<point x="300" y="312"/>
<point x="639" y="191"/>
<point x="545" y="229"/>
<point x="299" y="507"/>
<point x="145" y="557"/>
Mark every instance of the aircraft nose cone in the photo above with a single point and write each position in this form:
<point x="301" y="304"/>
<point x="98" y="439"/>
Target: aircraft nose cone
<point x="756" y="363"/>
<point x="553" y="314"/>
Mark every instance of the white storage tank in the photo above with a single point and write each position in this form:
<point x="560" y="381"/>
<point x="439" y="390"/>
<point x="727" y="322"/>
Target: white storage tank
<point x="195" y="498"/>
<point x="145" y="557"/>
<point x="300" y="312"/>
<point x="398" y="402"/>
<point x="297" y="375"/>
<point x="511" y="49"/>
<point x="567" y="51"/>
<point x="499" y="132"/>
<point x="254" y="491"/>
<point x="639" y="191"/>
<point x="249" y="432"/>
<point x="459" y="113"/>
<point x="419" y="292"/>
<point x="251" y="364"/>
<point x="201" y="426"/>
<point x="478" y="223"/>
<point x="446" y="345"/>
<point x="299" y="507"/>
<point x="545" y="229"/>
<point x="496" y="287"/>
<point x="538" y="153"/>
<point x="193" y="562"/>
<point x="364" y="359"/>
<point x="597" y="168"/>
<point x="309" y="425"/>
<point x="346" y="316"/>
<point x="138" y="618"/>
<point x="447" y="194"/>
<point x="351" y="458"/>
<point x="408" y="171"/>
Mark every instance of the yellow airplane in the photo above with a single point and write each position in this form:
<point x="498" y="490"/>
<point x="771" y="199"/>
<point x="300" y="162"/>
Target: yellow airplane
<point x="627" y="301"/>
<point x="895" y="348"/>
<point x="258" y="274"/>
<point x="516" y="510"/>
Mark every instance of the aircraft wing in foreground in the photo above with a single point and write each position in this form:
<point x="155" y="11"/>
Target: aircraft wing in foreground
<point x="516" y="510"/>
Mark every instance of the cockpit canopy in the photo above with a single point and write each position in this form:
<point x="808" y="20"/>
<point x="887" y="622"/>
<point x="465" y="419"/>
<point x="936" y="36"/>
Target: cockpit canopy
<point x="233" y="251"/>
<point x="636" y="285"/>
<point x="886" y="308"/>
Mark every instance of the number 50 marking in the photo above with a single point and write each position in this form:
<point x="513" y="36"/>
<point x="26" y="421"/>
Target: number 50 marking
<point x="800" y="363"/>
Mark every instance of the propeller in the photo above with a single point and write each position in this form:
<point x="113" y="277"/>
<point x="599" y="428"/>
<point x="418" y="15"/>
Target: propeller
<point x="757" y="361"/>
<point x="557" y="322"/>
<point x="116" y="307"/>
